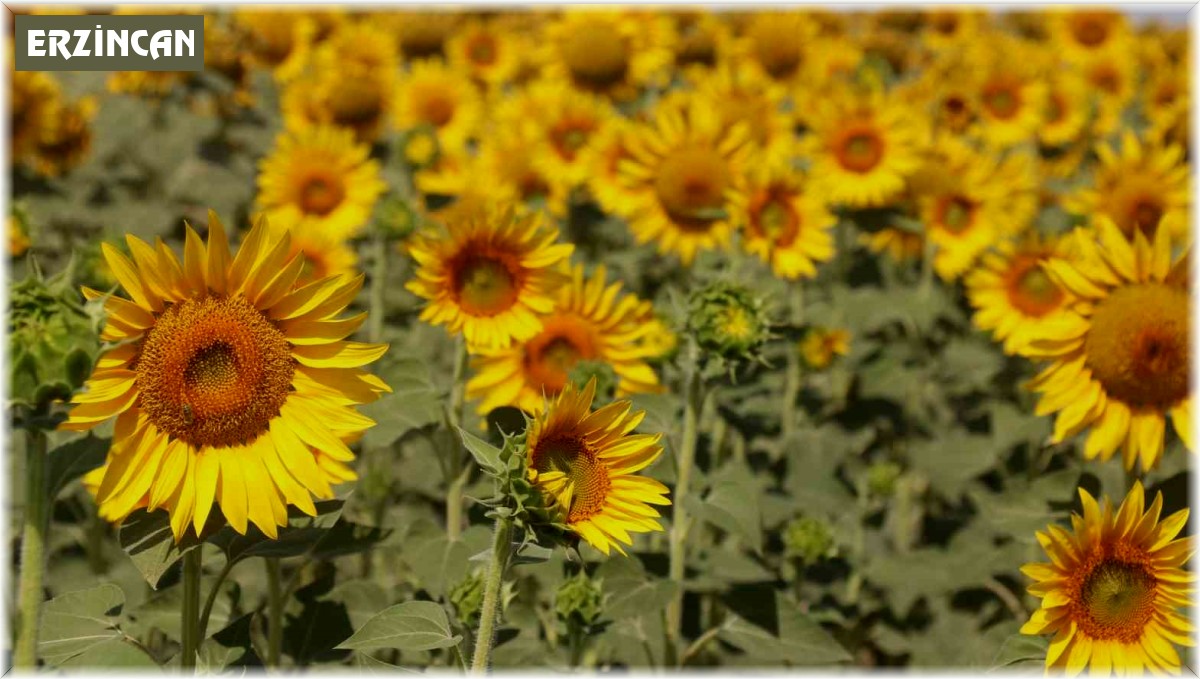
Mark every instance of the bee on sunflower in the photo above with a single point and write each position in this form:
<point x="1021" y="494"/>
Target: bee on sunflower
<point x="230" y="386"/>
<point x="1121" y="357"/>
<point x="1113" y="588"/>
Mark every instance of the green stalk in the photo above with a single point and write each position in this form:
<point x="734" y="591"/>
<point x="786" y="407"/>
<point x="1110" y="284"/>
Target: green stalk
<point x="190" y="628"/>
<point x="377" y="312"/>
<point x="791" y="391"/>
<point x="211" y="599"/>
<point x="459" y="472"/>
<point x="927" y="267"/>
<point x="274" y="612"/>
<point x="679" y="523"/>
<point x="33" y="550"/>
<point x="490" y="613"/>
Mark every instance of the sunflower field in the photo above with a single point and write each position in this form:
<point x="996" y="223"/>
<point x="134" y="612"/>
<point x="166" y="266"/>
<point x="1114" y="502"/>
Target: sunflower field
<point x="585" y="339"/>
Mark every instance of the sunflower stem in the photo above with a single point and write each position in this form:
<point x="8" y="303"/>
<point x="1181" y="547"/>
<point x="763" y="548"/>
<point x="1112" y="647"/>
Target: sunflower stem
<point x="459" y="472"/>
<point x="791" y="390"/>
<point x="33" y="549"/>
<point x="190" y="610"/>
<point x="693" y="401"/>
<point x="274" y="612"/>
<point x="379" y="262"/>
<point x="927" y="267"/>
<point x="490" y="612"/>
<point x="211" y="599"/>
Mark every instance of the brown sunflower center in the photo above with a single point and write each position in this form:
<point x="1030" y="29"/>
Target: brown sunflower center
<point x="1144" y="215"/>
<point x="1138" y="345"/>
<point x="485" y="284"/>
<point x="1056" y="108"/>
<point x="956" y="213"/>
<point x="320" y="194"/>
<point x="214" y="371"/>
<point x="1105" y="77"/>
<point x="550" y="356"/>
<point x="587" y="475"/>
<point x="434" y="106"/>
<point x="596" y="54"/>
<point x="691" y="186"/>
<point x="1002" y="99"/>
<point x="1090" y="30"/>
<point x="777" y="48"/>
<point x="1031" y="290"/>
<point x="773" y="217"/>
<point x="859" y="149"/>
<point x="696" y="47"/>
<point x="356" y="102"/>
<point x="481" y="49"/>
<point x="571" y="135"/>
<point x="1117" y="600"/>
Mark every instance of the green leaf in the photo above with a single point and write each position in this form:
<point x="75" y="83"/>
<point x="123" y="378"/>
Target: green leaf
<point x="413" y="403"/>
<point x="1022" y="651"/>
<point x="84" y="623"/>
<point x="800" y="640"/>
<point x="74" y="459"/>
<point x="146" y="537"/>
<point x="410" y="626"/>
<point x="954" y="459"/>
<point x="631" y="593"/>
<point x="732" y="506"/>
<point x="486" y="455"/>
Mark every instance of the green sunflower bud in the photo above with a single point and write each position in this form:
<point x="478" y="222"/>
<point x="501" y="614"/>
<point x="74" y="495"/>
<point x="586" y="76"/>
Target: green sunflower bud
<point x="467" y="597"/>
<point x="882" y="477"/>
<point x="729" y="322"/>
<point x="579" y="599"/>
<point x="808" y="539"/>
<point x="397" y="219"/>
<point x="419" y="147"/>
<point x="606" y="379"/>
<point x="52" y="339"/>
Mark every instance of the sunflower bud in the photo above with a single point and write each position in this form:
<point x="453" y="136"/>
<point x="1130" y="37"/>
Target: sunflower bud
<point x="52" y="339"/>
<point x="602" y="372"/>
<point x="661" y="340"/>
<point x="467" y="597"/>
<point x="729" y="322"/>
<point x="808" y="539"/>
<point x="420" y="147"/>
<point x="882" y="477"/>
<point x="579" y="600"/>
<point x="397" y="219"/>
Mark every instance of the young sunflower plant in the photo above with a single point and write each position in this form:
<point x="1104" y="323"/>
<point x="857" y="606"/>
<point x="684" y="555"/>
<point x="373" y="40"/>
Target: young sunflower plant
<point x="571" y="475"/>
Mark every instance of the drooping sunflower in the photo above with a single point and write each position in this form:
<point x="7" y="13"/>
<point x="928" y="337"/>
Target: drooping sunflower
<point x="591" y="321"/>
<point x="431" y="93"/>
<point x="1121" y="356"/>
<point x="229" y="385"/>
<point x="784" y="224"/>
<point x="1136" y="185"/>
<point x="611" y="53"/>
<point x="361" y="102"/>
<point x="1012" y="294"/>
<point x="685" y="171"/>
<point x="776" y="45"/>
<point x="864" y="147"/>
<point x="585" y="463"/>
<point x="319" y="176"/>
<point x="1113" y="588"/>
<point x="489" y="275"/>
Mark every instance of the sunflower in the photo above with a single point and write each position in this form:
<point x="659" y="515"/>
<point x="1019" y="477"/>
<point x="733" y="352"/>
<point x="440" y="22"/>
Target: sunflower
<point x="229" y="383"/>
<point x="863" y="148"/>
<point x="1010" y="97"/>
<point x="784" y="224"/>
<point x="591" y="321"/>
<point x="149" y="84"/>
<point x="1068" y="110"/>
<point x="1121" y="357"/>
<point x="324" y="255"/>
<point x="357" y="46"/>
<point x="1166" y="103"/>
<point x="585" y="464"/>
<point x="1136" y="185"/>
<point x="821" y="346"/>
<point x="1112" y="590"/>
<point x="1114" y="79"/>
<point x="421" y="35"/>
<point x="899" y="244"/>
<point x="18" y="236"/>
<point x="32" y="95"/>
<point x="1012" y="294"/>
<point x="487" y="52"/>
<point x="775" y="45"/>
<point x="949" y="29"/>
<point x="319" y="176"/>
<point x="740" y="97"/>
<point x="686" y="172"/>
<point x="280" y="41"/>
<point x="561" y="121"/>
<point x="1080" y="35"/>
<point x="489" y="275"/>
<point x="703" y="42"/>
<point x="615" y="54"/>
<point x="502" y="172"/>
<point x="434" y="94"/>
<point x="66" y="136"/>
<point x="602" y="158"/>
<point x="327" y="96"/>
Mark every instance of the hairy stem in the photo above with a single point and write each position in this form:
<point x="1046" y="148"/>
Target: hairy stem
<point x="490" y="612"/>
<point x="694" y="400"/>
<point x="33" y="550"/>
<point x="791" y="391"/>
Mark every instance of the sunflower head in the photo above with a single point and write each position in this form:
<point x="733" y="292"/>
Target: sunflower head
<point x="821" y="346"/>
<point x="1114" y="585"/>
<point x="730" y="323"/>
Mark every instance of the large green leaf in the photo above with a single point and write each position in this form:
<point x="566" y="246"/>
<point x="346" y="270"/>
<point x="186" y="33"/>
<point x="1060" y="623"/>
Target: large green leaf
<point x="80" y="628"/>
<point x="412" y="626"/>
<point x="799" y="641"/>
